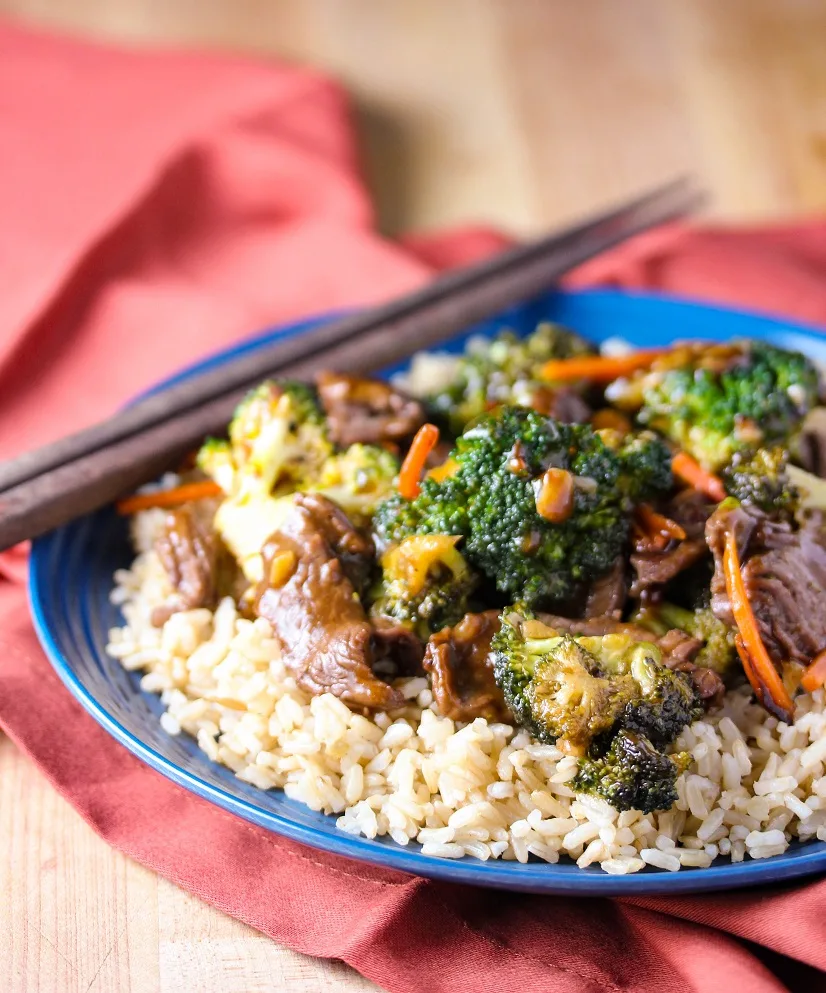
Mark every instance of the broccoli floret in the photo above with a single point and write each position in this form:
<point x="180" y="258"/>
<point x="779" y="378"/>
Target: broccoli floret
<point x="215" y="459"/>
<point x="713" y="401"/>
<point x="502" y="371"/>
<point x="537" y="502"/>
<point x="667" y="702"/>
<point x="580" y="689"/>
<point x="439" y="509"/>
<point x="277" y="443"/>
<point x="425" y="584"/>
<point x="761" y="479"/>
<point x="645" y="465"/>
<point x="553" y="686"/>
<point x="277" y="440"/>
<point x="632" y="774"/>
<point x="357" y="479"/>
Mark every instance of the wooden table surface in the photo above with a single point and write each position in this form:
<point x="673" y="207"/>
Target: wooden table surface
<point x="521" y="113"/>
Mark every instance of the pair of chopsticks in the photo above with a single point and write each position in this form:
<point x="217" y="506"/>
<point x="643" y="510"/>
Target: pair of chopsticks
<point x="44" y="488"/>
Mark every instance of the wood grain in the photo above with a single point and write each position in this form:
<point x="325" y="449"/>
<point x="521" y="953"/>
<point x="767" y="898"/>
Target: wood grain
<point x="520" y="113"/>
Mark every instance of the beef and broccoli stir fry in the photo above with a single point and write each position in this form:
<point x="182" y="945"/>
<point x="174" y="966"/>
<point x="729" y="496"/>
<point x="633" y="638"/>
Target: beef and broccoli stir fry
<point x="593" y="548"/>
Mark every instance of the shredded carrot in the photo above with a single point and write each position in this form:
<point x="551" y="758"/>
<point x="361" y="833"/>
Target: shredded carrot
<point x="410" y="473"/>
<point x="653" y="523"/>
<point x="691" y="472"/>
<point x="815" y="676"/>
<point x="169" y="498"/>
<point x="748" y="668"/>
<point x="600" y="368"/>
<point x="761" y="665"/>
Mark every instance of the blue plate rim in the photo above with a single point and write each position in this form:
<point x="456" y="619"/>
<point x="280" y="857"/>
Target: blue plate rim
<point x="513" y="876"/>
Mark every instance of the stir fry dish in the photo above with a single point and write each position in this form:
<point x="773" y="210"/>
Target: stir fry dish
<point x="611" y="565"/>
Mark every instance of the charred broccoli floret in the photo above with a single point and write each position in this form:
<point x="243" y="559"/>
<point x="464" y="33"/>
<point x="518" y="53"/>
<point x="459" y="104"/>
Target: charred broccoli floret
<point x="581" y="689"/>
<point x="425" y="584"/>
<point x="357" y="479"/>
<point x="502" y="371"/>
<point x="632" y="774"/>
<point x="760" y="478"/>
<point x="713" y="401"/>
<point x="537" y="503"/>
<point x="553" y="686"/>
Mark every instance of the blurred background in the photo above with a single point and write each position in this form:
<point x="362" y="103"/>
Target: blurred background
<point x="524" y="113"/>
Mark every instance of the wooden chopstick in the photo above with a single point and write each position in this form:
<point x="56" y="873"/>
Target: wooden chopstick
<point x="445" y="306"/>
<point x="44" y="488"/>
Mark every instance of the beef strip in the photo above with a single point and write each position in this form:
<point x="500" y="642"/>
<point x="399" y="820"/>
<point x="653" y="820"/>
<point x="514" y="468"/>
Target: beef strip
<point x="654" y="569"/>
<point x="367" y="410"/>
<point x="354" y="550"/>
<point x="677" y="647"/>
<point x="399" y="645"/>
<point x="194" y="560"/>
<point x="784" y="572"/>
<point x="679" y="650"/>
<point x="312" y="605"/>
<point x="461" y="670"/>
<point x="608" y="594"/>
<point x="690" y="509"/>
<point x="594" y="626"/>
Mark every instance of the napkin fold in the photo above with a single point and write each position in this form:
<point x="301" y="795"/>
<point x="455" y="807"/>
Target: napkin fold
<point x="157" y="206"/>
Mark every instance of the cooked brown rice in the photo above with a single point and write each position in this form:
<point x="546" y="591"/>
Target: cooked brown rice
<point x="480" y="789"/>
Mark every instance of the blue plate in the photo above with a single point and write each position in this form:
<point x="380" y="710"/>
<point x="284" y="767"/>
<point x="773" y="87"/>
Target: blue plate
<point x="71" y="577"/>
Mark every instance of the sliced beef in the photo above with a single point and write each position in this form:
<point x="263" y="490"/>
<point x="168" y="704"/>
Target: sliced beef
<point x="608" y="594"/>
<point x="690" y="509"/>
<point x="710" y="687"/>
<point x="195" y="562"/>
<point x="679" y="649"/>
<point x="594" y="626"/>
<point x="398" y="645"/>
<point x="784" y="572"/>
<point x="312" y="605"/>
<point x="367" y="410"/>
<point x="461" y="671"/>
<point x="354" y="550"/>
<point x="655" y="567"/>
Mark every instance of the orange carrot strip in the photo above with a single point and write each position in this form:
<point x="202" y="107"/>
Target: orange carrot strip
<point x="691" y="472"/>
<point x="815" y="676"/>
<point x="763" y="670"/>
<point x="654" y="523"/>
<point x="169" y="498"/>
<point x="410" y="473"/>
<point x="748" y="668"/>
<point x="600" y="368"/>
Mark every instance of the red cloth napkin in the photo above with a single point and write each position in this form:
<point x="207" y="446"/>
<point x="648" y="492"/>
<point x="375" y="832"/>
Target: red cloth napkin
<point x="158" y="206"/>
